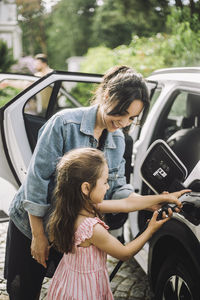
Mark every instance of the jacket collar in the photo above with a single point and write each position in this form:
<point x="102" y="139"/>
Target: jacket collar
<point x="87" y="127"/>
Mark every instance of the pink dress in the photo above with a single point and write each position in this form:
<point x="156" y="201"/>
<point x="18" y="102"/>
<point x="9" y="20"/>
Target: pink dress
<point x="82" y="275"/>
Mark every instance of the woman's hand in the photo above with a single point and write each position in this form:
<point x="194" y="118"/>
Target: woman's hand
<point x="173" y="197"/>
<point x="137" y="202"/>
<point x="40" y="249"/>
<point x="39" y="245"/>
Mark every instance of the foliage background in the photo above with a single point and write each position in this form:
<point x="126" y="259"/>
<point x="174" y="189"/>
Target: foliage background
<point x="178" y="47"/>
<point x="145" y="34"/>
<point x="6" y="57"/>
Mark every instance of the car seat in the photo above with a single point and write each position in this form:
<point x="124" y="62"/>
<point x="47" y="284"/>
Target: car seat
<point x="186" y="141"/>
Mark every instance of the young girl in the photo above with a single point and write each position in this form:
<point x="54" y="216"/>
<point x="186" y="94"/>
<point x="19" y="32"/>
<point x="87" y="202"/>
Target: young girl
<point x="77" y="230"/>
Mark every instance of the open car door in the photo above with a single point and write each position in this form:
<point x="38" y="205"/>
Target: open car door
<point x="23" y="116"/>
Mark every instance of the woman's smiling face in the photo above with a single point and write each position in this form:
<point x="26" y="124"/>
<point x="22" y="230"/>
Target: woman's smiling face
<point x="114" y="122"/>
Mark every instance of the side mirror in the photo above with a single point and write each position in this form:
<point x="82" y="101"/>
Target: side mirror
<point x="161" y="169"/>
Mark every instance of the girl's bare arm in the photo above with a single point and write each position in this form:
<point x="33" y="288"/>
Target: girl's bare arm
<point x="103" y="240"/>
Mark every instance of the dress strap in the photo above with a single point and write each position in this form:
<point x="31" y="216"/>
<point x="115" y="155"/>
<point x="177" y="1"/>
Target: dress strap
<point x="85" y="229"/>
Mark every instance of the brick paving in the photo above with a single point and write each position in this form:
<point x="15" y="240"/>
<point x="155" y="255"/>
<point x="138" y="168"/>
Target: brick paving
<point x="130" y="282"/>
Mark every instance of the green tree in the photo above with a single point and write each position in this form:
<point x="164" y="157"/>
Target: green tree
<point x="143" y="54"/>
<point x="182" y="46"/>
<point x="147" y="17"/>
<point x="193" y="5"/>
<point x="69" y="30"/>
<point x="32" y="15"/>
<point x="72" y="27"/>
<point x="183" y="14"/>
<point x="6" y="57"/>
<point x="111" y="27"/>
<point x="116" y="20"/>
<point x="178" y="48"/>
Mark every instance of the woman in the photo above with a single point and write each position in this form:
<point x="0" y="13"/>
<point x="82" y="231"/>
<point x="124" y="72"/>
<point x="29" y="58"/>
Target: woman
<point x="120" y="99"/>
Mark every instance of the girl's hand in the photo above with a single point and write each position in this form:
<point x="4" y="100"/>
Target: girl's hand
<point x="155" y="224"/>
<point x="173" y="197"/>
<point x="40" y="249"/>
<point x="154" y="207"/>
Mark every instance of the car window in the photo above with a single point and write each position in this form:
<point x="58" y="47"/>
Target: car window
<point x="9" y="88"/>
<point x="178" y="108"/>
<point x="155" y="96"/>
<point x="70" y="94"/>
<point x="175" y="114"/>
<point x="37" y="105"/>
<point x="55" y="97"/>
<point x="82" y="91"/>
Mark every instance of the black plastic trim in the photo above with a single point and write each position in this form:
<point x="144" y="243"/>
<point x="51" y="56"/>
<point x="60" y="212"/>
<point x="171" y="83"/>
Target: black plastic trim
<point x="53" y="99"/>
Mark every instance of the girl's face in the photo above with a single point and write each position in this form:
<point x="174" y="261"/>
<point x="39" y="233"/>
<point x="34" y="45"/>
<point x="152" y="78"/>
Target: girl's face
<point x="99" y="191"/>
<point x="114" y="122"/>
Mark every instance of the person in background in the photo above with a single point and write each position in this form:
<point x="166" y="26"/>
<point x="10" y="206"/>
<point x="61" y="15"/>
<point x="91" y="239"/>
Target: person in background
<point x="41" y="65"/>
<point x="119" y="100"/>
<point x="42" y="68"/>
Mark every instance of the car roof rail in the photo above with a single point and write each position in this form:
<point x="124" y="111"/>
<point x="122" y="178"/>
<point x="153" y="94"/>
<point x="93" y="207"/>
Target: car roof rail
<point x="177" y="70"/>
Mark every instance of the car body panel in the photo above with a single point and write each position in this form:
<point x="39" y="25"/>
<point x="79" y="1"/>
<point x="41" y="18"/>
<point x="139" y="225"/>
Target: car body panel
<point x="170" y="81"/>
<point x="8" y="79"/>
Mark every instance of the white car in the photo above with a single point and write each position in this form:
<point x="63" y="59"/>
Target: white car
<point x="172" y="257"/>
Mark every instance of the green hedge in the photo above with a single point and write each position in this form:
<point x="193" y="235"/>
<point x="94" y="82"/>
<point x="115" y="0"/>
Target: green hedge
<point x="178" y="48"/>
<point x="7" y="94"/>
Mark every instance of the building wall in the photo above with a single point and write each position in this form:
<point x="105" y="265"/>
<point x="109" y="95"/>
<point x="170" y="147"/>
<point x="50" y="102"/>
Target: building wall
<point x="9" y="28"/>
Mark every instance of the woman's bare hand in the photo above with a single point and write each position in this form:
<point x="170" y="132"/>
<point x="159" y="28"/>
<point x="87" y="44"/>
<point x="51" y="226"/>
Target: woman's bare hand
<point x="173" y="197"/>
<point x="40" y="249"/>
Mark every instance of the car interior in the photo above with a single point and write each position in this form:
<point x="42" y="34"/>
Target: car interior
<point x="179" y="126"/>
<point x="186" y="141"/>
<point x="40" y="107"/>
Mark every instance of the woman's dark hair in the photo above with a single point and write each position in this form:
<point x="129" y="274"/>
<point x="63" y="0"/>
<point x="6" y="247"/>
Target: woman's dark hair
<point x="121" y="85"/>
<point x="74" y="168"/>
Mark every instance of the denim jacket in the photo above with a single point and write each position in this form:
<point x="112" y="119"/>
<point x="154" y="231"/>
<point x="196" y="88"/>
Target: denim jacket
<point x="66" y="130"/>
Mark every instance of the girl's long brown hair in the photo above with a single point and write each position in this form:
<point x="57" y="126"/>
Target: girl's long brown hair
<point x="74" y="168"/>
